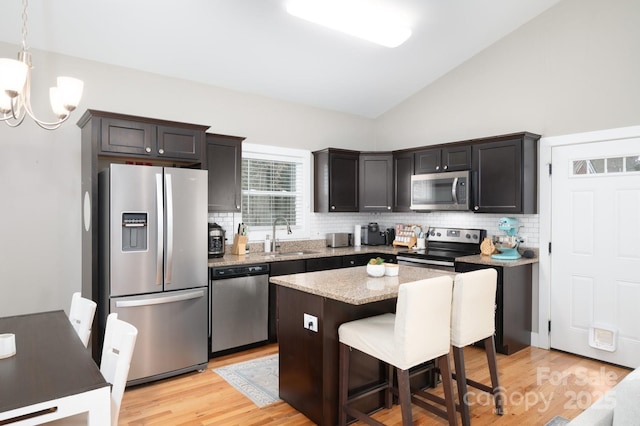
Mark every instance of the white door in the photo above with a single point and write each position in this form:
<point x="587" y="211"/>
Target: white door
<point x="595" y="256"/>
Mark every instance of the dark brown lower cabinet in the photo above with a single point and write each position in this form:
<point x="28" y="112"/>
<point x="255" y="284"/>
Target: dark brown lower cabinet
<point x="513" y="305"/>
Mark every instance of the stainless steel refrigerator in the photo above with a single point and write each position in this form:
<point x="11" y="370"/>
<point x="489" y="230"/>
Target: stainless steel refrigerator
<point x="153" y="264"/>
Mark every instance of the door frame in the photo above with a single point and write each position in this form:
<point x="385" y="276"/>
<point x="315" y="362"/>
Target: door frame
<point x="542" y="340"/>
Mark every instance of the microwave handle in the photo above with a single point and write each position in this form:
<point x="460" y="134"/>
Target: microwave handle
<point x="454" y="187"/>
<point x="476" y="194"/>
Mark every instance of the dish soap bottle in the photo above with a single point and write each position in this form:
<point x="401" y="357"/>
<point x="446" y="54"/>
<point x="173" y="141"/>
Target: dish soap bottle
<point x="267" y="244"/>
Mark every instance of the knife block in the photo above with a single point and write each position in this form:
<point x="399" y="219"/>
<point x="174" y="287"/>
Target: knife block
<point x="239" y="244"/>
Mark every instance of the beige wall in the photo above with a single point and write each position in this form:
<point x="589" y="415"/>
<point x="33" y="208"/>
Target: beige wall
<point x="575" y="68"/>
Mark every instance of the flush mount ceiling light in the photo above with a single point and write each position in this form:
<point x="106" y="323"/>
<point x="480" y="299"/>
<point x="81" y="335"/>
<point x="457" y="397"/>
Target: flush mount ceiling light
<point x="15" y="88"/>
<point x="359" y="18"/>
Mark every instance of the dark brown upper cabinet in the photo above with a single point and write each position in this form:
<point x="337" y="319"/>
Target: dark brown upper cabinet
<point x="224" y="163"/>
<point x="443" y="159"/>
<point x="376" y="181"/>
<point x="335" y="180"/>
<point x="505" y="174"/>
<point x="139" y="137"/>
<point x="403" y="162"/>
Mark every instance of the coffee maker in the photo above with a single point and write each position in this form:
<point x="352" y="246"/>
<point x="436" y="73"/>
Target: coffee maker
<point x="216" y="240"/>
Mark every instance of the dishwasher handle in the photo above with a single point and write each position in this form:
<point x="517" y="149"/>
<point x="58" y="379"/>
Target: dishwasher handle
<point x="160" y="300"/>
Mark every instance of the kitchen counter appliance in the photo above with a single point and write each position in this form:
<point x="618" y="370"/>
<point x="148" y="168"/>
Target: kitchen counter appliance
<point x="372" y="235"/>
<point x="239" y="306"/>
<point x="443" y="245"/>
<point x="216" y="240"/>
<point x="153" y="265"/>
<point x="339" y="239"/>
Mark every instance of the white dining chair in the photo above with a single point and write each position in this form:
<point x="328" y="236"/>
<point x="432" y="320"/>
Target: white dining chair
<point x="119" y="342"/>
<point x="81" y="316"/>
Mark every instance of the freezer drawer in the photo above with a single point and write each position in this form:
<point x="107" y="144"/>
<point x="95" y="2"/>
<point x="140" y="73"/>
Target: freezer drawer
<point x="172" y="332"/>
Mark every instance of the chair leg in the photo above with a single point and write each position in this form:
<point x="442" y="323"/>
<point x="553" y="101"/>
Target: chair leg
<point x="404" y="395"/>
<point x="490" y="349"/>
<point x="447" y="384"/>
<point x="388" y="394"/>
<point x="343" y="384"/>
<point x="461" y="382"/>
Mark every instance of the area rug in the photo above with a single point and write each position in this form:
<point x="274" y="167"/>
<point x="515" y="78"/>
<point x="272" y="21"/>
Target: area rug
<point x="557" y="421"/>
<point x="256" y="379"/>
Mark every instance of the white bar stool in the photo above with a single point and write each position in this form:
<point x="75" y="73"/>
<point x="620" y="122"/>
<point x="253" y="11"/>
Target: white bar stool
<point x="473" y="320"/>
<point x="418" y="332"/>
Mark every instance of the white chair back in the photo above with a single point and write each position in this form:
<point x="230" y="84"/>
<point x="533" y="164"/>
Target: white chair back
<point x="81" y="316"/>
<point x="473" y="306"/>
<point x="117" y="351"/>
<point x="419" y="332"/>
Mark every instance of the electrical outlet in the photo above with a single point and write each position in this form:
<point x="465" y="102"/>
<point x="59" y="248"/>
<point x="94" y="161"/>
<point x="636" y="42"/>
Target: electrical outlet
<point x="311" y="322"/>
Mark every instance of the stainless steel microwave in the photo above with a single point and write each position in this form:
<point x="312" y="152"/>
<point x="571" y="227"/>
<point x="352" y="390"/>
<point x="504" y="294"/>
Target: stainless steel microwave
<point x="440" y="191"/>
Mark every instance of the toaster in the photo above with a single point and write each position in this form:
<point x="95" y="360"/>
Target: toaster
<point x="338" y="239"/>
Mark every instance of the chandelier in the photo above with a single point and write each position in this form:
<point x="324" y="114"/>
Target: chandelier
<point x="15" y="89"/>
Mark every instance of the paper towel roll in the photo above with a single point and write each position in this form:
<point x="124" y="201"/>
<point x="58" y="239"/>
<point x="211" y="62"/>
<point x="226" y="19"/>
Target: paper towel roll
<point x="356" y="235"/>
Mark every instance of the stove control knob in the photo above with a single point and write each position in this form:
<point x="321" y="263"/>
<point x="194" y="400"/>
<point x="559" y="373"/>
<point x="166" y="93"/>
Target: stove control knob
<point x="475" y="236"/>
<point x="468" y="236"/>
<point x="439" y="234"/>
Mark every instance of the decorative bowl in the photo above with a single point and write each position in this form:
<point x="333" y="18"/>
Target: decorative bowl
<point x="375" y="270"/>
<point x="391" y="269"/>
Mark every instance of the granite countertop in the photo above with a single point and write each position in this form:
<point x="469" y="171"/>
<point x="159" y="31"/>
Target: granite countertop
<point x="353" y="285"/>
<point x="295" y="253"/>
<point x="482" y="259"/>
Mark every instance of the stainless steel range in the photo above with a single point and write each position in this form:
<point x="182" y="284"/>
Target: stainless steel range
<point x="443" y="246"/>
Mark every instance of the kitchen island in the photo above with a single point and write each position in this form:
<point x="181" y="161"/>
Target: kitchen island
<point x="308" y="359"/>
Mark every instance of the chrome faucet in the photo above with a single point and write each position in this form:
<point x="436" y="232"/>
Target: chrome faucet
<point x="273" y="235"/>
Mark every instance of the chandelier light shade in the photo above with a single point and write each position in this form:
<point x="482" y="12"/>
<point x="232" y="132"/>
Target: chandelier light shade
<point x="15" y="89"/>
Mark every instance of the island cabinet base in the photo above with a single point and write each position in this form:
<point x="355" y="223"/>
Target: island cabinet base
<point x="309" y="360"/>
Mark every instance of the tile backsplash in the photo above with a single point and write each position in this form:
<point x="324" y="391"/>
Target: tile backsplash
<point x="323" y="223"/>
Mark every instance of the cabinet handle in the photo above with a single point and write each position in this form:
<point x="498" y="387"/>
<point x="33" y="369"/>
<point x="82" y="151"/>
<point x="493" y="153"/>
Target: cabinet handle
<point x="147" y="149"/>
<point x="476" y="208"/>
<point x="437" y="167"/>
<point x="333" y="207"/>
<point x="445" y="167"/>
<point x="388" y="207"/>
<point x="161" y="151"/>
<point x="238" y="207"/>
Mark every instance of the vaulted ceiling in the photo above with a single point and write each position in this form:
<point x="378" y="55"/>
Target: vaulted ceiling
<point x="255" y="46"/>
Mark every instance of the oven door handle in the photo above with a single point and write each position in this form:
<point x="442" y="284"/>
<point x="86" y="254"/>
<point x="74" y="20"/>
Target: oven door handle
<point x="424" y="261"/>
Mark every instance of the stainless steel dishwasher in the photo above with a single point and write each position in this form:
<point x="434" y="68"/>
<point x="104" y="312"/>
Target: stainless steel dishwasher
<point x="239" y="306"/>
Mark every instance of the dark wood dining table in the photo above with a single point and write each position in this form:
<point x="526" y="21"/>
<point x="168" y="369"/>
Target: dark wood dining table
<point x="52" y="375"/>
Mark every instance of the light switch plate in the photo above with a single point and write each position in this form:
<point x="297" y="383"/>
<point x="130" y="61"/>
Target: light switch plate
<point x="311" y="322"/>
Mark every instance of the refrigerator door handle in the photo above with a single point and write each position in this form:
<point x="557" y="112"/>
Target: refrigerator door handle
<point x="169" y="202"/>
<point x="160" y="228"/>
<point x="160" y="300"/>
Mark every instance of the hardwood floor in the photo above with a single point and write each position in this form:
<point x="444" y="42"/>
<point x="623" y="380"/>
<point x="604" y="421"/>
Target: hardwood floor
<point x="538" y="384"/>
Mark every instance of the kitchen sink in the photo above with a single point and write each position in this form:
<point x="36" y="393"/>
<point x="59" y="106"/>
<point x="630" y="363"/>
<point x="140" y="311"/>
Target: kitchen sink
<point x="290" y="253"/>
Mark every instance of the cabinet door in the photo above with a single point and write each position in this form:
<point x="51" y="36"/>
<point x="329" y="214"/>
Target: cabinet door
<point x="376" y="182"/>
<point x="456" y="158"/>
<point x="176" y="142"/>
<point x="427" y="161"/>
<point x="343" y="182"/>
<point x="224" y="163"/>
<point x="497" y="177"/>
<point x="323" y="263"/>
<point x="402" y="172"/>
<point x="126" y="137"/>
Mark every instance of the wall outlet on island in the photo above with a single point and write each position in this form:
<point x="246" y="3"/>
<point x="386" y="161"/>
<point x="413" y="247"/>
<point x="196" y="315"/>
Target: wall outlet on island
<point x="311" y="322"/>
